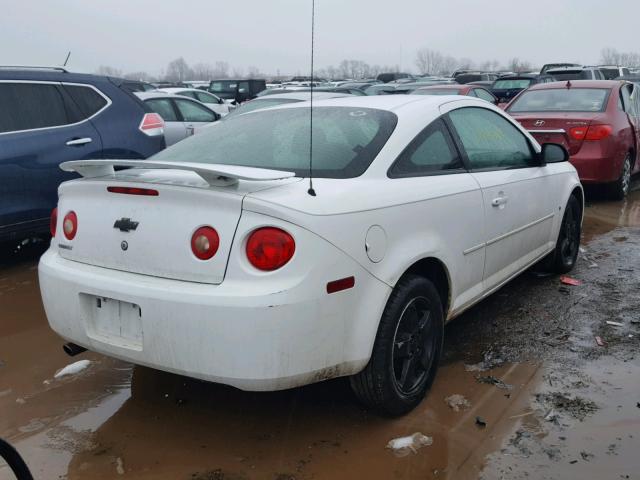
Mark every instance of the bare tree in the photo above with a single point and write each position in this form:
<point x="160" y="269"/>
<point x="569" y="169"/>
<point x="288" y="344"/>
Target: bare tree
<point x="140" y="76"/>
<point x="202" y="71"/>
<point x="610" y="56"/>
<point x="429" y="61"/>
<point x="237" y="72"/>
<point x="254" y="72"/>
<point x="109" y="71"/>
<point x="221" y="70"/>
<point x="518" y="66"/>
<point x="178" y="70"/>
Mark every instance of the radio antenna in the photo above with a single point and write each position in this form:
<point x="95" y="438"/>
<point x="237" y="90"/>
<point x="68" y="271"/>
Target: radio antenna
<point x="311" y="191"/>
<point x="67" y="59"/>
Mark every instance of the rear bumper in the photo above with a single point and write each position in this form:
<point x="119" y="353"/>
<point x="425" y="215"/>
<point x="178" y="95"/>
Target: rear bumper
<point x="597" y="165"/>
<point x="224" y="333"/>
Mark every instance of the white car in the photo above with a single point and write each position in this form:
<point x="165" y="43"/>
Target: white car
<point x="217" y="259"/>
<point x="269" y="101"/>
<point x="212" y="101"/>
<point x="182" y="116"/>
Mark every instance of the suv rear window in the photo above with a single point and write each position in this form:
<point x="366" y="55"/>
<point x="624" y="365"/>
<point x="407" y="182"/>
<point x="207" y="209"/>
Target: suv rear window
<point x="562" y="100"/>
<point x="437" y="91"/>
<point x="27" y="106"/>
<point x="571" y="75"/>
<point x="345" y="141"/>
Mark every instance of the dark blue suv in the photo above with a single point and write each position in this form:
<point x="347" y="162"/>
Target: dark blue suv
<point x="49" y="116"/>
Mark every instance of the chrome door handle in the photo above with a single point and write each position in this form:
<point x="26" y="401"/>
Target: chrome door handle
<point x="496" y="202"/>
<point x="78" y="142"/>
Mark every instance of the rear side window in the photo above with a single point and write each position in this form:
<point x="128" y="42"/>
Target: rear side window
<point x="187" y="93"/>
<point x="562" y="100"/>
<point x="88" y="101"/>
<point x="27" y="106"/>
<point x="206" y="97"/>
<point x="430" y="152"/>
<point x="484" y="95"/>
<point x="164" y="108"/>
<point x="491" y="141"/>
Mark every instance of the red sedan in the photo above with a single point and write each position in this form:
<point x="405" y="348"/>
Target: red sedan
<point x="467" y="90"/>
<point x="597" y="121"/>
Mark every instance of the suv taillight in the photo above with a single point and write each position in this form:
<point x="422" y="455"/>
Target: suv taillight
<point x="70" y="225"/>
<point x="53" y="221"/>
<point x="270" y="248"/>
<point x="152" y="124"/>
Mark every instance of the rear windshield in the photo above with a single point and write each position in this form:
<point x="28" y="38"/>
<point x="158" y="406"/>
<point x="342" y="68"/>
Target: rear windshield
<point x="511" y="84"/>
<point x="437" y="91"/>
<point x="610" y="73"/>
<point x="345" y="141"/>
<point x="258" y="104"/>
<point x="571" y="75"/>
<point x="562" y="100"/>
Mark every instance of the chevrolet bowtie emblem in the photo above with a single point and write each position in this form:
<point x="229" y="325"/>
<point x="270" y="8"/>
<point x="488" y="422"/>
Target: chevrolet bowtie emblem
<point x="125" y="225"/>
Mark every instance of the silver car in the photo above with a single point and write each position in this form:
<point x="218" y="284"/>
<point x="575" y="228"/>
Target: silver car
<point x="212" y="101"/>
<point x="182" y="116"/>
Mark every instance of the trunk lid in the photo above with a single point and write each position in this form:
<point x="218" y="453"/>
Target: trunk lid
<point x="555" y="127"/>
<point x="160" y="244"/>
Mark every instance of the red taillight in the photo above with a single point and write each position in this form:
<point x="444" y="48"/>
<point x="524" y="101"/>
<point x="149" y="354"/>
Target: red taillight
<point x="205" y="242"/>
<point x="598" y="132"/>
<point x="70" y="225"/>
<point x="578" y="133"/>
<point x="152" y="124"/>
<point x="342" y="284"/>
<point x="134" y="191"/>
<point x="270" y="248"/>
<point x="53" y="221"/>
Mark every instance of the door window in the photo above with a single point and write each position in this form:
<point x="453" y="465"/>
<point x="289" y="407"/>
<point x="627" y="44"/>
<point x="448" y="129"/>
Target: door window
<point x="27" y="106"/>
<point x="430" y="152"/>
<point x="188" y="93"/>
<point x="206" y="97"/>
<point x="491" y="141"/>
<point x="164" y="108"/>
<point x="193" y="112"/>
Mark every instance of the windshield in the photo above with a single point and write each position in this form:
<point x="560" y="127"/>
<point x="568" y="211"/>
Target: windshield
<point x="437" y="91"/>
<point x="511" y="84"/>
<point x="345" y="141"/>
<point x="259" y="103"/>
<point x="562" y="100"/>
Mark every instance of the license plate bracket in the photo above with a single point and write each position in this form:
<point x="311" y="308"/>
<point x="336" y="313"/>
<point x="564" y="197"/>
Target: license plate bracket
<point x="113" y="321"/>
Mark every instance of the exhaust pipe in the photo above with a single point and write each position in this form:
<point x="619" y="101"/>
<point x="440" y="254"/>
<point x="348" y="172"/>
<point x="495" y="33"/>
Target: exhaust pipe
<point x="72" y="349"/>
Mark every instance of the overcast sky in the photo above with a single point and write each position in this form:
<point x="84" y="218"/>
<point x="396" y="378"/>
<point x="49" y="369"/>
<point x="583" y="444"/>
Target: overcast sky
<point x="135" y="35"/>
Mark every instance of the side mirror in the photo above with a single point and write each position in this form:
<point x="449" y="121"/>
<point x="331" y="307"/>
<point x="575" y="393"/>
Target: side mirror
<point x="553" y="153"/>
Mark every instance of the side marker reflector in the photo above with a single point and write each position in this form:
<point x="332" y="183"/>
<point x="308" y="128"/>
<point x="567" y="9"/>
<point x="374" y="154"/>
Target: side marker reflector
<point x="342" y="284"/>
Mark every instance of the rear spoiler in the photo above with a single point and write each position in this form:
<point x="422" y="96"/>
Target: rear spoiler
<point x="213" y="174"/>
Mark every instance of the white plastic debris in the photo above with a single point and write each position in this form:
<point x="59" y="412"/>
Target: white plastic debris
<point x="73" y="368"/>
<point x="615" y="324"/>
<point x="119" y="466"/>
<point x="457" y="402"/>
<point x="405" y="445"/>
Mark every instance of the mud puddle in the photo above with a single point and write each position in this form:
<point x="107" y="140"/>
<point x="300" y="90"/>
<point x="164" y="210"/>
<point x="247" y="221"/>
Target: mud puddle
<point x="552" y="402"/>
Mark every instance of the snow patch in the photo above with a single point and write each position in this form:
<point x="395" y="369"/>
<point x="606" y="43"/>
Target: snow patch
<point x="411" y="444"/>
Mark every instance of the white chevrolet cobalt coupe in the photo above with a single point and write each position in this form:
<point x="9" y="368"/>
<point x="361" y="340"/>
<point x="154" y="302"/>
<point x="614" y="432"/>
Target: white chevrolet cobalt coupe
<point x="214" y="259"/>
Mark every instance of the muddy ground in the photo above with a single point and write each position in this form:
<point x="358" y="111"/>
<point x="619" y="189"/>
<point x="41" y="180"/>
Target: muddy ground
<point x="554" y="403"/>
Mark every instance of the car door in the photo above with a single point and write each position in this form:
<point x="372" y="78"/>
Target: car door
<point x="174" y="128"/>
<point x="40" y="127"/>
<point x="518" y="193"/>
<point x="194" y="114"/>
<point x="431" y="165"/>
<point x="629" y="94"/>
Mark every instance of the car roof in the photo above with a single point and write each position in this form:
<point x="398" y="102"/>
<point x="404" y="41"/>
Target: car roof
<point x="447" y="86"/>
<point x="47" y="74"/>
<point x="180" y="89"/>
<point x="390" y="103"/>
<point x="304" y="96"/>
<point x="577" y="84"/>
<point x="522" y="76"/>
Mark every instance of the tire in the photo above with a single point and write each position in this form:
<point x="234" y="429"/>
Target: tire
<point x="619" y="189"/>
<point x="406" y="351"/>
<point x="564" y="256"/>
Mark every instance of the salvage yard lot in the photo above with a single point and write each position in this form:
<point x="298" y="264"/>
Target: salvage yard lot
<point x="568" y="407"/>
